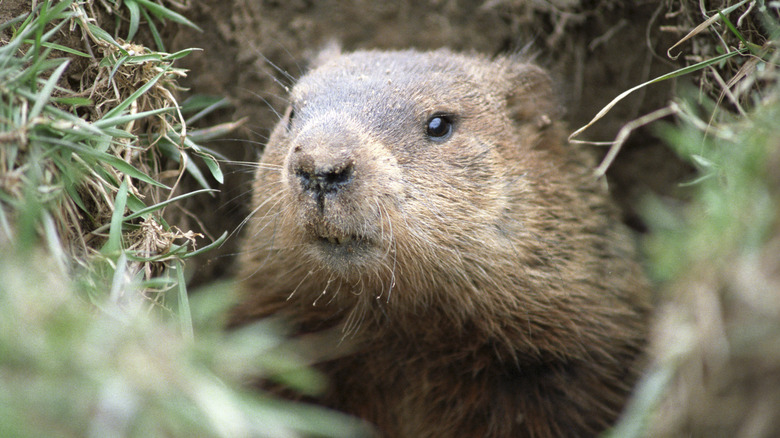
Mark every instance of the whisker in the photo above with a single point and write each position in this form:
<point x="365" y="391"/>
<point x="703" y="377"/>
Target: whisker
<point x="333" y="296"/>
<point x="395" y="259"/>
<point x="324" y="291"/>
<point x="254" y="211"/>
<point x="356" y="316"/>
<point x="248" y="141"/>
<point x="299" y="284"/>
<point x="271" y="107"/>
<point x="283" y="72"/>
<point x="255" y="165"/>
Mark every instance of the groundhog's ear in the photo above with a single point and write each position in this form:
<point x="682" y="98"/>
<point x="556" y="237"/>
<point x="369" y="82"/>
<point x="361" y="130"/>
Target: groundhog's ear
<point x="530" y="97"/>
<point x="332" y="49"/>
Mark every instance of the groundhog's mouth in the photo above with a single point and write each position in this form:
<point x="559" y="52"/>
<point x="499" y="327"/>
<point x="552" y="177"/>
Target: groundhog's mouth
<point x="340" y="249"/>
<point x="344" y="240"/>
<point x="329" y="235"/>
<point x="344" y="247"/>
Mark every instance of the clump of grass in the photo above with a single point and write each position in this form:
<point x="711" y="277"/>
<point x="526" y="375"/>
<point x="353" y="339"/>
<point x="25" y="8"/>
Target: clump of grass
<point x="715" y="351"/>
<point x="69" y="369"/>
<point x="72" y="150"/>
<point x="98" y="334"/>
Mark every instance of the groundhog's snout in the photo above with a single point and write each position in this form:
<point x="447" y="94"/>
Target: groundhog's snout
<point x="322" y="162"/>
<point x="320" y="177"/>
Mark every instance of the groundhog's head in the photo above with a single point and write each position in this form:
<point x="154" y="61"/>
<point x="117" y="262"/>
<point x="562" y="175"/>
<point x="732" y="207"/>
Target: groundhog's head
<point x="396" y="165"/>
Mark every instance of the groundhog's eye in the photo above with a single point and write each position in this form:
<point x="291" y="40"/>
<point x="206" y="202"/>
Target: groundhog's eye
<point x="439" y="126"/>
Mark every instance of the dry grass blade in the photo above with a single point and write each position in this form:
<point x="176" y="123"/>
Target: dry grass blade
<point x="707" y="23"/>
<point x="674" y="74"/>
<point x="626" y="130"/>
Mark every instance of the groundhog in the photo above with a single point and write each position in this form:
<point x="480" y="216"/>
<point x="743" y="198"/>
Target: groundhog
<point x="466" y="273"/>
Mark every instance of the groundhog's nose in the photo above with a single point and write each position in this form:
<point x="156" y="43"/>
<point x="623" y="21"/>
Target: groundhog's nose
<point x="322" y="159"/>
<point x="326" y="176"/>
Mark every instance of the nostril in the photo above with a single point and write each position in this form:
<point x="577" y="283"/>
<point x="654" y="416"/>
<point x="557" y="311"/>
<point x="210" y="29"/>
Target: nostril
<point x="305" y="178"/>
<point x="337" y="177"/>
<point x="325" y="179"/>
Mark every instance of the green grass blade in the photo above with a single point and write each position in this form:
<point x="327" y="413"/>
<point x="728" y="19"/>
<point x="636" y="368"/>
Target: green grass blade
<point x="162" y="204"/>
<point x="127" y="168"/>
<point x="698" y="29"/>
<point x="135" y="204"/>
<point x="48" y="15"/>
<point x="114" y="243"/>
<point x="115" y="133"/>
<point x="185" y="315"/>
<point x="205" y="105"/>
<point x="213" y="166"/>
<point x="11" y="22"/>
<point x="171" y="151"/>
<point x="60" y="114"/>
<point x="109" y="159"/>
<point x="45" y="94"/>
<point x="53" y="243"/>
<point x="198" y="102"/>
<point x="180" y="54"/>
<point x="70" y="189"/>
<point x="140" y="59"/>
<point x="45" y="37"/>
<point x="185" y="141"/>
<point x="117" y="65"/>
<point x="167" y="14"/>
<point x="208" y="247"/>
<point x="5" y="226"/>
<point x="118" y="280"/>
<point x="31" y="74"/>
<point x="107" y="122"/>
<point x="153" y="29"/>
<point x="212" y="132"/>
<point x="73" y="101"/>
<point x="750" y="46"/>
<point x="105" y="36"/>
<point x="130" y="99"/>
<point x="194" y="170"/>
<point x="135" y="18"/>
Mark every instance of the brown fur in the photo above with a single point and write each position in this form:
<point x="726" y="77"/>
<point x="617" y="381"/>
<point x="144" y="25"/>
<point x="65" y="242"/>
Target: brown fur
<point x="488" y="289"/>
